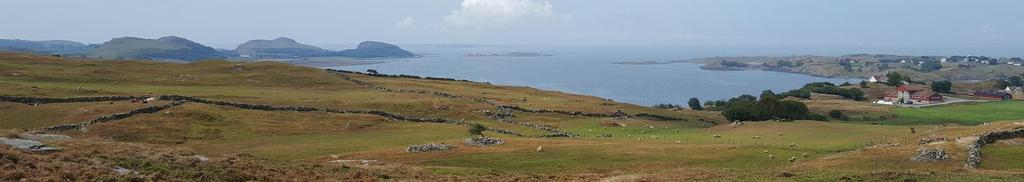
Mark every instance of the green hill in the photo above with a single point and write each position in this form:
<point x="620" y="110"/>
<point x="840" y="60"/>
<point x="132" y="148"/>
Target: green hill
<point x="282" y="47"/>
<point x="43" y="47"/>
<point x="164" y="48"/>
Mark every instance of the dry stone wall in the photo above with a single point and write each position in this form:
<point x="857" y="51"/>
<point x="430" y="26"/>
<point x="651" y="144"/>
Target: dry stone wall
<point x="113" y="117"/>
<point x="974" y="149"/>
<point x="37" y="100"/>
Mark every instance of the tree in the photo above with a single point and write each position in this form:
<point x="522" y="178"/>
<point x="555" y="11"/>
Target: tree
<point x="372" y="71"/>
<point x="896" y="79"/>
<point x="477" y="129"/>
<point x="792" y="110"/>
<point x="942" y="86"/>
<point x="695" y="104"/>
<point x="768" y="95"/>
<point x="835" y="114"/>
<point x="930" y="65"/>
<point x="863" y="84"/>
<point x="1015" y="81"/>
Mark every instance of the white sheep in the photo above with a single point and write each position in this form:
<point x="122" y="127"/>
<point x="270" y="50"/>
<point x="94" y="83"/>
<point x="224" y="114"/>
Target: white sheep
<point x="805" y="155"/>
<point x="765" y="151"/>
<point x="771" y="156"/>
<point x="717" y="136"/>
<point x="780" y="134"/>
<point x="540" y="149"/>
<point x="792" y="145"/>
<point x="791" y="159"/>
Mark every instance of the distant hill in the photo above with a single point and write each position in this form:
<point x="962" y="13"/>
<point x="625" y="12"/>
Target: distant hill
<point x="164" y="48"/>
<point x="282" y="47"/>
<point x="44" y="47"/>
<point x="374" y="49"/>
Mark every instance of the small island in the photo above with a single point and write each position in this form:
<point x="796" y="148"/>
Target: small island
<point x="510" y="54"/>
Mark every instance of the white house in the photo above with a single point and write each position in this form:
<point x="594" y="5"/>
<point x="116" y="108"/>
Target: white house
<point x="878" y="79"/>
<point x="1014" y="89"/>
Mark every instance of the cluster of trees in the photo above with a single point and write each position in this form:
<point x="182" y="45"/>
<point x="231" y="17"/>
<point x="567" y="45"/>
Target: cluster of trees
<point x="1012" y="81"/>
<point x="897" y="79"/>
<point x="930" y="65"/>
<point x="666" y="106"/>
<point x="769" y="106"/>
<point x="829" y="88"/>
<point x="942" y="86"/>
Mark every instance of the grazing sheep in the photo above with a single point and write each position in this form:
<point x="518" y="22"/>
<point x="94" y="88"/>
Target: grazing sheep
<point x="540" y="149"/>
<point x="780" y="134"/>
<point x="677" y="130"/>
<point x="756" y="137"/>
<point x="792" y="145"/>
<point x="771" y="156"/>
<point x="717" y="136"/>
<point x="590" y="130"/>
<point x="791" y="159"/>
<point x="805" y="155"/>
<point x="765" y="151"/>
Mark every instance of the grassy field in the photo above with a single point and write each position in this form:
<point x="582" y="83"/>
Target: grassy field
<point x="303" y="144"/>
<point x="962" y="113"/>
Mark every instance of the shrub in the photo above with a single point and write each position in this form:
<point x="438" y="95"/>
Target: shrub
<point x="477" y="129"/>
<point x="838" y="115"/>
<point x="694" y="104"/>
<point x="816" y="117"/>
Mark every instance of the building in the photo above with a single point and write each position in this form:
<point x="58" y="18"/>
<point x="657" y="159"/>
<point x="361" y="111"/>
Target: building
<point x="996" y="95"/>
<point x="1014" y="90"/>
<point x="912" y="94"/>
<point x="878" y="79"/>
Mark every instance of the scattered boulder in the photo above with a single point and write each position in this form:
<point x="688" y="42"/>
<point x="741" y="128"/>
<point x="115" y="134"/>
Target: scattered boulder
<point x="483" y="141"/>
<point x="931" y="139"/>
<point x="429" y="148"/>
<point x="930" y="154"/>
<point x="44" y="137"/>
<point x="201" y="158"/>
<point x="29" y="145"/>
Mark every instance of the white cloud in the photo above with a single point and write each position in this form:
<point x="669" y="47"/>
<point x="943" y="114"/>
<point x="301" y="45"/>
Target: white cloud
<point x="406" y="22"/>
<point x="502" y="13"/>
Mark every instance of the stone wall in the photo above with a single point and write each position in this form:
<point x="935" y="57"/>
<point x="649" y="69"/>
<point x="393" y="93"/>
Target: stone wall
<point x="431" y="147"/>
<point x="507" y="116"/>
<point x="384" y="114"/>
<point x="113" y="117"/>
<point x="974" y="149"/>
<point x="404" y="76"/>
<point x="37" y="100"/>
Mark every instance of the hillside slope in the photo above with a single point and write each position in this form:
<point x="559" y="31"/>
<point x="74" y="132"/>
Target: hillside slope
<point x="164" y="48"/>
<point x="268" y="121"/>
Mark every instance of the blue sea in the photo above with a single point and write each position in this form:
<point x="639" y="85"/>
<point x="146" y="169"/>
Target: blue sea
<point x="589" y="70"/>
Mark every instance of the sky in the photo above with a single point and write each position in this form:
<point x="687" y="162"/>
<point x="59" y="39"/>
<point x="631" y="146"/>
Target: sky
<point x="918" y="24"/>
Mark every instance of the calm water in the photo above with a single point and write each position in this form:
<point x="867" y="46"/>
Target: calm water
<point x="589" y="71"/>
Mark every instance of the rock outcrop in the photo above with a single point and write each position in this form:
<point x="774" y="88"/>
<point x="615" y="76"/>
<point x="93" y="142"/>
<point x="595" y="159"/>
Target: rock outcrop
<point x="974" y="148"/>
<point x="429" y="148"/>
<point x="483" y="141"/>
<point x="930" y="154"/>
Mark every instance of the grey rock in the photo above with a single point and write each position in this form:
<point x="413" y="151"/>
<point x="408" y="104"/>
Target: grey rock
<point x="930" y="154"/>
<point x="44" y="137"/>
<point x="29" y="145"/>
<point x="483" y="141"/>
<point x="429" y="148"/>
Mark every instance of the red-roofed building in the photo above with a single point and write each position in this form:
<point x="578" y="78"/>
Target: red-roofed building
<point x="912" y="94"/>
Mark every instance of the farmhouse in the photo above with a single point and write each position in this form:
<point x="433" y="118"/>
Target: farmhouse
<point x="878" y="79"/>
<point x="997" y="95"/>
<point x="1014" y="90"/>
<point x="912" y="94"/>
